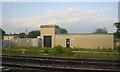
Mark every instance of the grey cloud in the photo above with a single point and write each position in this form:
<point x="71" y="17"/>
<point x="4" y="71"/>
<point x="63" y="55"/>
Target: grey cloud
<point x="74" y="19"/>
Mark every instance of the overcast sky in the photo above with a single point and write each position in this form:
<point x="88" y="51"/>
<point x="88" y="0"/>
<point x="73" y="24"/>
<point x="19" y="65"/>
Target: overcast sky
<point x="76" y="17"/>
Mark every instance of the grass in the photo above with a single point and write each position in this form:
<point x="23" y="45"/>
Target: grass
<point x="98" y="49"/>
<point x="97" y="55"/>
<point x="60" y="51"/>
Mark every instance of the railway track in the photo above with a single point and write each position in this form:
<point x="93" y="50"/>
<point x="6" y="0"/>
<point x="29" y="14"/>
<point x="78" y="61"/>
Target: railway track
<point x="61" y="63"/>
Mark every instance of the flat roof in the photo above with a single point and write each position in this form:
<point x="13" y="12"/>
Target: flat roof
<point x="49" y="26"/>
<point x="86" y="34"/>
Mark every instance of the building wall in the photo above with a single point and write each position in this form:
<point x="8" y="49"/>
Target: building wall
<point x="86" y="40"/>
<point x="77" y="40"/>
<point x="48" y="30"/>
<point x="8" y="37"/>
<point x="7" y="40"/>
<point x="60" y="39"/>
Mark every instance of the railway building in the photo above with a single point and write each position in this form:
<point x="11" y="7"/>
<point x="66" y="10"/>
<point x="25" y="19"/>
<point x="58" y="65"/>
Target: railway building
<point x="50" y="37"/>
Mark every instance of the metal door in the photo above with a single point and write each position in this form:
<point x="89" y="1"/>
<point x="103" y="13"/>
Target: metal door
<point x="47" y="41"/>
<point x="67" y="43"/>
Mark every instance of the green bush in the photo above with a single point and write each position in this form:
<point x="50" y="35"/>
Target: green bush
<point x="61" y="51"/>
<point x="57" y="50"/>
<point x="68" y="52"/>
<point x="76" y="49"/>
<point x="117" y="49"/>
<point x="46" y="51"/>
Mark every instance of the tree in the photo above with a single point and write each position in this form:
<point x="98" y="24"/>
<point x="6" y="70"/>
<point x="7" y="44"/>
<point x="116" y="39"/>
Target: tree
<point x="34" y="34"/>
<point x="63" y="31"/>
<point x="117" y="33"/>
<point x="22" y="35"/>
<point x="16" y="34"/>
<point x="2" y="33"/>
<point x="100" y="31"/>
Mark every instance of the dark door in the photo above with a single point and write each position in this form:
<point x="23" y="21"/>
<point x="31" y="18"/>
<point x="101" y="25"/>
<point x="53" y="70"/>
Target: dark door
<point x="67" y="43"/>
<point x="47" y="41"/>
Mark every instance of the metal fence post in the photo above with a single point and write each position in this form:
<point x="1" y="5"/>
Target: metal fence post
<point x="53" y="63"/>
<point x="113" y="65"/>
<point x="82" y="63"/>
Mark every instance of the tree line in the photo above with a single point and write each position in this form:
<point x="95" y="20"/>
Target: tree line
<point x="31" y="34"/>
<point x="35" y="33"/>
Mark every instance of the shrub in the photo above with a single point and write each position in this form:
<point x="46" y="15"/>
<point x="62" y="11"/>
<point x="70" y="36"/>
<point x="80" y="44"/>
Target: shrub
<point x="57" y="50"/>
<point x="45" y="50"/>
<point x="76" y="49"/>
<point x="117" y="49"/>
<point x="110" y="50"/>
<point x="68" y="52"/>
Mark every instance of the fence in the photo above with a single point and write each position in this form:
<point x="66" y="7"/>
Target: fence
<point x="117" y="42"/>
<point x="22" y="42"/>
